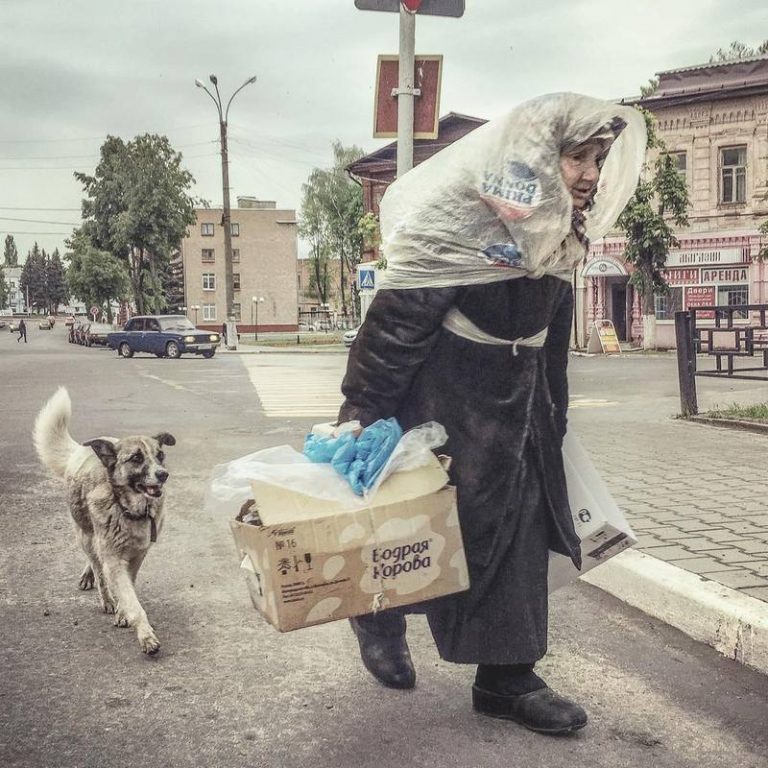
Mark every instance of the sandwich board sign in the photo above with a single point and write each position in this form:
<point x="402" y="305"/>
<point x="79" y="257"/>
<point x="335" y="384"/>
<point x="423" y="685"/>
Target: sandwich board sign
<point x="603" y="338"/>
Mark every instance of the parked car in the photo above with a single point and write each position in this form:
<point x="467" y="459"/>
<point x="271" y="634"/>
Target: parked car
<point x="13" y="326"/>
<point x="163" y="336"/>
<point x="70" y="321"/>
<point x="97" y="334"/>
<point x="349" y="336"/>
<point x="3" y="323"/>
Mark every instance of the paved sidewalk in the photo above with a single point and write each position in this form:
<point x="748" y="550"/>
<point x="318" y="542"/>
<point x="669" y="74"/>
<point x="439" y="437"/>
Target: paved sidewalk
<point x="696" y="495"/>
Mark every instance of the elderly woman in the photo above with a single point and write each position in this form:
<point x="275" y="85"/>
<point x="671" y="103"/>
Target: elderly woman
<point x="471" y="329"/>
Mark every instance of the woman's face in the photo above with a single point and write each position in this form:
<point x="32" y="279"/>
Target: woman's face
<point x="580" y="171"/>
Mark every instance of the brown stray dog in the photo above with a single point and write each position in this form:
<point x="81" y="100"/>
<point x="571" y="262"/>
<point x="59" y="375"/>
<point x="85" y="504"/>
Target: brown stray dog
<point x="116" y="500"/>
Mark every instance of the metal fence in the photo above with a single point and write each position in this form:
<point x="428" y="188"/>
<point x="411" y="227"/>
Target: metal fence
<point x="734" y="339"/>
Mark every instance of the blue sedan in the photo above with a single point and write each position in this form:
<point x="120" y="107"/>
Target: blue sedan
<point x="163" y="336"/>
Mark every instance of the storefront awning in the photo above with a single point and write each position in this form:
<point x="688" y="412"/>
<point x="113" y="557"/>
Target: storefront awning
<point x="603" y="268"/>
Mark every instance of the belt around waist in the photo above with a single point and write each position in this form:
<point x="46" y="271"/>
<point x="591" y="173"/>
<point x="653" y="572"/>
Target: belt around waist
<point x="457" y="322"/>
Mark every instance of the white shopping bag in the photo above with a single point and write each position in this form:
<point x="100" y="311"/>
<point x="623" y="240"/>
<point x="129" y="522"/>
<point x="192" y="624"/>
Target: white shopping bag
<point x="600" y="524"/>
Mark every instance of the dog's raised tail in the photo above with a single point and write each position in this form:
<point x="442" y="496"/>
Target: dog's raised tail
<point x="51" y="436"/>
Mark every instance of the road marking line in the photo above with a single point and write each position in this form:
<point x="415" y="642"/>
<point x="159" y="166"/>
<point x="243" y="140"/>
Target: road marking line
<point x="286" y="392"/>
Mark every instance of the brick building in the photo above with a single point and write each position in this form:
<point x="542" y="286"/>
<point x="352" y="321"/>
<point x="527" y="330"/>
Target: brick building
<point x="265" y="254"/>
<point x="714" y="120"/>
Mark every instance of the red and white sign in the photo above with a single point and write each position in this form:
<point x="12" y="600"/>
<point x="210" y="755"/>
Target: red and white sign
<point x="453" y="8"/>
<point x="700" y="296"/>
<point x="94" y="312"/>
<point x="682" y="276"/>
<point x="726" y="275"/>
<point x="426" y="107"/>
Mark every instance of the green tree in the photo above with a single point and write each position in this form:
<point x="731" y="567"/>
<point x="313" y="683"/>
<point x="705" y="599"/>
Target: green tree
<point x="660" y="200"/>
<point x="96" y="277"/>
<point x="4" y="289"/>
<point x="738" y="50"/>
<point x="32" y="282"/>
<point x="313" y="228"/>
<point x="55" y="282"/>
<point x="10" y="252"/>
<point x="173" y="285"/>
<point x="650" y="89"/>
<point x="137" y="208"/>
<point x="763" y="252"/>
<point x="331" y="209"/>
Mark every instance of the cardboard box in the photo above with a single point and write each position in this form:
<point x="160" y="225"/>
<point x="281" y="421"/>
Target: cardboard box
<point x="311" y="561"/>
<point x="599" y="523"/>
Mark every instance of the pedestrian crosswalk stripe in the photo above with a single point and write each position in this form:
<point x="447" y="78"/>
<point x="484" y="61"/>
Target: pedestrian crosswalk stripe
<point x="579" y="401"/>
<point x="288" y="392"/>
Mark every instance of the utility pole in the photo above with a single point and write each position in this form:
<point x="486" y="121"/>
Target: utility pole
<point x="229" y="290"/>
<point x="405" y="90"/>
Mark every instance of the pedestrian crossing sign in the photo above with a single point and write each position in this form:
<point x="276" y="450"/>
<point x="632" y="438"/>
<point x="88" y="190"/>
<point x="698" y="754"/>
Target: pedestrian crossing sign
<point x="367" y="278"/>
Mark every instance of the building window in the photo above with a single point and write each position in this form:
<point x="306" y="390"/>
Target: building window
<point x="680" y="161"/>
<point x="236" y="281"/>
<point x="669" y="303"/>
<point x="733" y="295"/>
<point x="206" y="230"/>
<point x="733" y="175"/>
<point x="209" y="311"/>
<point x="236" y="311"/>
<point x="234" y="229"/>
<point x="208" y="254"/>
<point x="235" y="254"/>
<point x="209" y="281"/>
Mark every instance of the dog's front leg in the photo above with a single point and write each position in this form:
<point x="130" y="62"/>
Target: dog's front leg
<point x="129" y="611"/>
<point x="94" y="573"/>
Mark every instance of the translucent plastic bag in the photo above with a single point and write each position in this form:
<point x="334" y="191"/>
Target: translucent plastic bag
<point x="493" y="205"/>
<point x="284" y="467"/>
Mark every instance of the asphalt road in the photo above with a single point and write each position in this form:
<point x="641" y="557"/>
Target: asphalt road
<point x="227" y="690"/>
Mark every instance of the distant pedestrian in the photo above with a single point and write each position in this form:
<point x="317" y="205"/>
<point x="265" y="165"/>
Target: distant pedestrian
<point x="224" y="333"/>
<point x="22" y="331"/>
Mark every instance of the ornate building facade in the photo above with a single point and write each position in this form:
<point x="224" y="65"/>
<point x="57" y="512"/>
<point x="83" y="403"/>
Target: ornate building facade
<point x="714" y="121"/>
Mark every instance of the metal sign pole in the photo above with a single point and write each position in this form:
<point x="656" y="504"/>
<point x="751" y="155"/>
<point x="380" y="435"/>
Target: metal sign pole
<point x="405" y="91"/>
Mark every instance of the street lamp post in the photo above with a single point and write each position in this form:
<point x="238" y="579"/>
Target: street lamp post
<point x="194" y="308"/>
<point x="225" y="218"/>
<point x="256" y="300"/>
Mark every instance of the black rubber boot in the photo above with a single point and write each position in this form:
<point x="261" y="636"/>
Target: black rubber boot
<point x="383" y="648"/>
<point x="516" y="693"/>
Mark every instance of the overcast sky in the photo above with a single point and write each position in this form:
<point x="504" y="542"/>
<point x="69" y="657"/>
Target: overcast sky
<point x="74" y="71"/>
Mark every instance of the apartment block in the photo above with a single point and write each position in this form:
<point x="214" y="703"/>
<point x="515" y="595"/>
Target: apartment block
<point x="265" y="263"/>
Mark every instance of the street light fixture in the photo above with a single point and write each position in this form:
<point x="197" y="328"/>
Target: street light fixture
<point x="256" y="300"/>
<point x="225" y="219"/>
<point x="195" y="308"/>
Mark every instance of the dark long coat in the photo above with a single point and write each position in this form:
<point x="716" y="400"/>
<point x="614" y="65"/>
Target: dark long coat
<point x="505" y="414"/>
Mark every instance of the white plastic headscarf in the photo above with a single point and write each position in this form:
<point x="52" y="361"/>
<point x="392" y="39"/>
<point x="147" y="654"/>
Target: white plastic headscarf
<point x="493" y="205"/>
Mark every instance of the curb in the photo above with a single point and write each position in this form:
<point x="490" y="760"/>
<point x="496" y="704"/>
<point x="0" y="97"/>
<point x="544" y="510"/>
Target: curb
<point x="317" y="349"/>
<point x="747" y="426"/>
<point x="732" y="623"/>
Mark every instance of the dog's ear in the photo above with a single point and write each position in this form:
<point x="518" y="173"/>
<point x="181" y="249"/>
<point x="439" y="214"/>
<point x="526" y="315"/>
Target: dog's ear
<point x="165" y="438"/>
<point x="105" y="451"/>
